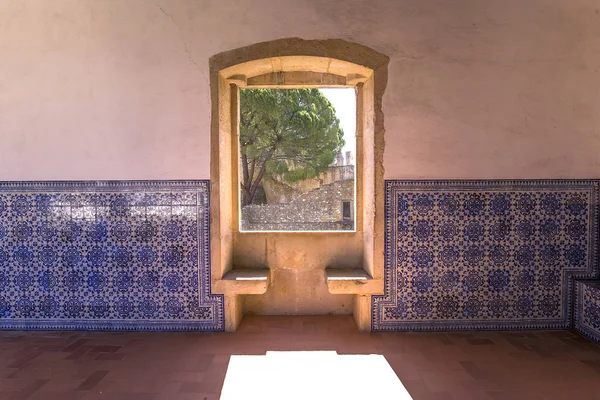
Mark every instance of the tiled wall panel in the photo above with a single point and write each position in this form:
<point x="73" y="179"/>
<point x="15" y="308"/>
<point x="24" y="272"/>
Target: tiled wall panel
<point x="485" y="254"/>
<point x="587" y="309"/>
<point x="106" y="255"/>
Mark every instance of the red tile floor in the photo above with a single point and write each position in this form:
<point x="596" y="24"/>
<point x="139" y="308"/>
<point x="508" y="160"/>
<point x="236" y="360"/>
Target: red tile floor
<point x="458" y="365"/>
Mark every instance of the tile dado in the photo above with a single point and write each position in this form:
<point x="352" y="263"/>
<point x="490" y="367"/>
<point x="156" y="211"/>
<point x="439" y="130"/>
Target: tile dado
<point x="486" y="254"/>
<point x="587" y="309"/>
<point x="130" y="255"/>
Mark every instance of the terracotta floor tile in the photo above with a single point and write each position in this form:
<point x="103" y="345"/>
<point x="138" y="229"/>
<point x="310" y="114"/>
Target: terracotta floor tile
<point x="32" y="387"/>
<point x="515" y="395"/>
<point x="92" y="380"/>
<point x="152" y="365"/>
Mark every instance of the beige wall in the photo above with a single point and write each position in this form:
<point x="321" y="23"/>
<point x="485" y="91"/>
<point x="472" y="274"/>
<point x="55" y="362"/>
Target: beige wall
<point x="118" y="89"/>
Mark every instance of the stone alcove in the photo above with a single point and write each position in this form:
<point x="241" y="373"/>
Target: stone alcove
<point x="293" y="272"/>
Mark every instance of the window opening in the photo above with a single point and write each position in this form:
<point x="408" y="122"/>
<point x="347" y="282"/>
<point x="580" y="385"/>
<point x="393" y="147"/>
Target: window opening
<point x="346" y="211"/>
<point x="297" y="152"/>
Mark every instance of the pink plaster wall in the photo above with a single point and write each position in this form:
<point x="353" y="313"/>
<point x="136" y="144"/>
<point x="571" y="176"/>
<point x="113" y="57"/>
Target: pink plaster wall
<point x="118" y="89"/>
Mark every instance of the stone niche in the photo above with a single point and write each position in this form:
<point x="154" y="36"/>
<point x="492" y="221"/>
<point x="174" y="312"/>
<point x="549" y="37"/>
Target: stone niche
<point x="298" y="272"/>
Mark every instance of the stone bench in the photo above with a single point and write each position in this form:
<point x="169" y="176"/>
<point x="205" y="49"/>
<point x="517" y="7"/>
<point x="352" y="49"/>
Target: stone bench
<point x="244" y="281"/>
<point x="352" y="281"/>
<point x="339" y="281"/>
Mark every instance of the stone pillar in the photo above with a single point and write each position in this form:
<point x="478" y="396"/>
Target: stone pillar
<point x="340" y="160"/>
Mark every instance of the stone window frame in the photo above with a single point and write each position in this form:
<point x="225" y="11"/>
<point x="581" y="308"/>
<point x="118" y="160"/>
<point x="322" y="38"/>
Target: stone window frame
<point x="293" y="72"/>
<point x="297" y="63"/>
<point x="293" y="79"/>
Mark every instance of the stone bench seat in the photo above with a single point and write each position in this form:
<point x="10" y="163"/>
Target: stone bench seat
<point x="352" y="281"/>
<point x="244" y="281"/>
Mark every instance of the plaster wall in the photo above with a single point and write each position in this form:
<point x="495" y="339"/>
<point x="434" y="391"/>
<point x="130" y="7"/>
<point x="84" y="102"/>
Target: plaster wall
<point x="119" y="89"/>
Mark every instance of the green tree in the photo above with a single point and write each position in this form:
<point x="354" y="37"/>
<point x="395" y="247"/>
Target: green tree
<point x="293" y="133"/>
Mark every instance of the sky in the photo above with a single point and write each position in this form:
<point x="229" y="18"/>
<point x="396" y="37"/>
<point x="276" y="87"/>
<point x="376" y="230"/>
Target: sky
<point x="344" y="102"/>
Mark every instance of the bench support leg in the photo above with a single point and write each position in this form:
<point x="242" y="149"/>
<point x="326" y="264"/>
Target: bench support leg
<point x="362" y="312"/>
<point x="233" y="312"/>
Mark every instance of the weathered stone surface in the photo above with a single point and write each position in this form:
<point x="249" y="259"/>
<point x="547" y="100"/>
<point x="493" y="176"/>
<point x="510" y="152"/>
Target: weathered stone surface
<point x="319" y="209"/>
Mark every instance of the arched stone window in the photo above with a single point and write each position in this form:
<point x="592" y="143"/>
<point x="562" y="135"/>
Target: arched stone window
<point x="353" y="264"/>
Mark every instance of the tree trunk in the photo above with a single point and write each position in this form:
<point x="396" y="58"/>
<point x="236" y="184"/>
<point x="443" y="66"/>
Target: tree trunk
<point x="250" y="182"/>
<point x="246" y="184"/>
<point x="254" y="186"/>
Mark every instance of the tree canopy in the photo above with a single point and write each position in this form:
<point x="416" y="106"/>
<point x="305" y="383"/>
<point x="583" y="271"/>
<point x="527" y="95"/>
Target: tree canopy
<point x="293" y="133"/>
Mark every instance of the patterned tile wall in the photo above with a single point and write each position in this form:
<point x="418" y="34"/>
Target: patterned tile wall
<point x="485" y="254"/>
<point x="106" y="255"/>
<point x="587" y="309"/>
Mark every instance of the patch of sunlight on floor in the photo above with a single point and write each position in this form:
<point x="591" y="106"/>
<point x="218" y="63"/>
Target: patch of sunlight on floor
<point x="311" y="375"/>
